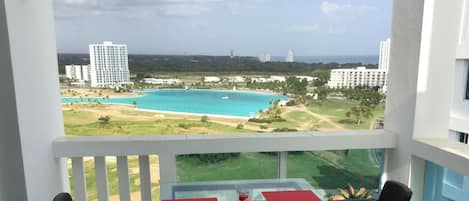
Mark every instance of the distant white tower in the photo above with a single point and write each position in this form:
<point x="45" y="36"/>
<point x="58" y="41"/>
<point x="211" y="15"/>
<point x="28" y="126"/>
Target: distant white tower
<point x="109" y="65"/>
<point x="231" y="53"/>
<point x="264" y="57"/>
<point x="290" y="56"/>
<point x="384" y="51"/>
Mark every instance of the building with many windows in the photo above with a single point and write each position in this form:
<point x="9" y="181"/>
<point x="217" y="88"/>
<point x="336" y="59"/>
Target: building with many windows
<point x="265" y="57"/>
<point x="109" y="65"/>
<point x="77" y="72"/>
<point x="290" y="56"/>
<point x="384" y="50"/>
<point x="360" y="76"/>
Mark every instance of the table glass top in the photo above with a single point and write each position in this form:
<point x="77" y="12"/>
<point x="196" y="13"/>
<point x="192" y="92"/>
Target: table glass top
<point x="228" y="190"/>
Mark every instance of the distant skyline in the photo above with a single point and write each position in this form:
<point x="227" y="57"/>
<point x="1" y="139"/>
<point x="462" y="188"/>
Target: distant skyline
<point x="214" y="27"/>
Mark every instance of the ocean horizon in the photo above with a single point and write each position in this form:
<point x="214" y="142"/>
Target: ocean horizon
<point x="364" y="59"/>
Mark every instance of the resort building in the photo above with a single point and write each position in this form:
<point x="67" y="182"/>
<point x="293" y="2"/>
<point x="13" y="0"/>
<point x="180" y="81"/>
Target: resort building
<point x="272" y="78"/>
<point x="290" y="56"/>
<point x="424" y="139"/>
<point x="77" y="72"/>
<point x="265" y="57"/>
<point x="161" y="81"/>
<point x="211" y="79"/>
<point x="361" y="76"/>
<point x="109" y="65"/>
<point x="308" y="78"/>
<point x="236" y="79"/>
<point x="384" y="51"/>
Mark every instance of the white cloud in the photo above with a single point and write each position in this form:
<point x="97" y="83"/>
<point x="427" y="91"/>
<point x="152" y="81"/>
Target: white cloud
<point x="178" y="8"/>
<point x="329" y="8"/>
<point x="302" y="28"/>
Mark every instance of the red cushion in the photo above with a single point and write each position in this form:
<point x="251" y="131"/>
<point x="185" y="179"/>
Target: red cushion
<point x="290" y="196"/>
<point x="194" y="199"/>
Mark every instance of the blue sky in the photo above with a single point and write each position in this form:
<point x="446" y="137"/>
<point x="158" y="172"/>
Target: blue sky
<point x="213" y="27"/>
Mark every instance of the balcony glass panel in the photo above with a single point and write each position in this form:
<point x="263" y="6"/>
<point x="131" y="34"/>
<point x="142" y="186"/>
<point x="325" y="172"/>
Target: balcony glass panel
<point x="443" y="184"/>
<point x="330" y="170"/>
<point x="228" y="166"/>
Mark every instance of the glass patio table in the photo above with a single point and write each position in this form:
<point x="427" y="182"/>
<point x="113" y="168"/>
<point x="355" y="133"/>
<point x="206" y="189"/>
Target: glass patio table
<point x="228" y="190"/>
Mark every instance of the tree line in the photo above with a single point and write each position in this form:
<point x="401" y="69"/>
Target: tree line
<point x="202" y="63"/>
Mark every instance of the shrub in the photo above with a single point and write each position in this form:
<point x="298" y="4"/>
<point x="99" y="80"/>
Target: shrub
<point x="214" y="158"/>
<point x="240" y="126"/>
<point x="204" y="118"/>
<point x="263" y="127"/>
<point x="266" y="120"/>
<point x="184" y="126"/>
<point x="292" y="103"/>
<point x="104" y="119"/>
<point x="285" y="130"/>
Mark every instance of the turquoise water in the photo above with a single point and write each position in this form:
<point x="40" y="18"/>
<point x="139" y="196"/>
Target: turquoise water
<point x="215" y="102"/>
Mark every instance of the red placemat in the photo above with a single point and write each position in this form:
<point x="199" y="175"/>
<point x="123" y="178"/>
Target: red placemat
<point x="290" y="196"/>
<point x="195" y="199"/>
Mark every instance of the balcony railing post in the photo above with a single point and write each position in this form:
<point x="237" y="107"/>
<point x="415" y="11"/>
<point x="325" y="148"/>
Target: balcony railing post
<point x="167" y="168"/>
<point x="282" y="164"/>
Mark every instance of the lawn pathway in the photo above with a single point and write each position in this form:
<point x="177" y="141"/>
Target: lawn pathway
<point x="320" y="117"/>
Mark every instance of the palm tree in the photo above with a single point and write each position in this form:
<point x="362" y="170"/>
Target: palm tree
<point x="359" y="112"/>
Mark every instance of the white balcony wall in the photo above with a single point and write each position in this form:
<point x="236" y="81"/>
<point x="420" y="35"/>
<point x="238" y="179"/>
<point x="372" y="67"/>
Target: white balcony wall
<point x="30" y="109"/>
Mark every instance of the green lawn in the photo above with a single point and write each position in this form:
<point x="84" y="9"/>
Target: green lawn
<point x="356" y="169"/>
<point x="156" y="127"/>
<point x="336" y="109"/>
<point x="247" y="166"/>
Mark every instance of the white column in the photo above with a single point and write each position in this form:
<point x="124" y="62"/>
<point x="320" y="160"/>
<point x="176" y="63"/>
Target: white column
<point x="30" y="110"/>
<point x="401" y="94"/>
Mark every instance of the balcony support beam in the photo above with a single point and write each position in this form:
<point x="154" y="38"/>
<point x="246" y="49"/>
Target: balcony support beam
<point x="167" y="168"/>
<point x="282" y="164"/>
<point x="30" y="110"/>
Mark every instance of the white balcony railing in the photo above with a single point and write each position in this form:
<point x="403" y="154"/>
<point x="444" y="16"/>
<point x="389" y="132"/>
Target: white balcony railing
<point x="168" y="147"/>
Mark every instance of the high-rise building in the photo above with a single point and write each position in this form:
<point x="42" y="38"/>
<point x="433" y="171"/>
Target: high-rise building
<point x="264" y="57"/>
<point x="85" y="69"/>
<point x="290" y="56"/>
<point x="109" y="65"/>
<point x="384" y="51"/>
<point x="231" y="53"/>
<point x="74" y="72"/>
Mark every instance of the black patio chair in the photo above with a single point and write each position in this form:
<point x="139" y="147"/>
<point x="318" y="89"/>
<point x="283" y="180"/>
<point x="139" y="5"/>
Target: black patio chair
<point x="63" y="197"/>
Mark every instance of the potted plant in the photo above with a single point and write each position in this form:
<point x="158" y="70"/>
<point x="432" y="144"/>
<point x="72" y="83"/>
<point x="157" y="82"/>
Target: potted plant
<point x="351" y="193"/>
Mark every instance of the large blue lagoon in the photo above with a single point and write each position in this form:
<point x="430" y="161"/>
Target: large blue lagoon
<point x="211" y="102"/>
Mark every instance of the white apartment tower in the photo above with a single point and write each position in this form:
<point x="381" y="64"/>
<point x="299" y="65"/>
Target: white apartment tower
<point x="264" y="57"/>
<point x="351" y="78"/>
<point x="384" y="51"/>
<point x="77" y="72"/>
<point x="109" y="65"/>
<point x="290" y="56"/>
<point x="73" y="72"/>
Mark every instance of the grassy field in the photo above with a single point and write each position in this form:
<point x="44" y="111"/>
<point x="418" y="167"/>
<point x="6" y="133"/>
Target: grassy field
<point x="326" y="169"/>
<point x="316" y="167"/>
<point x="336" y="109"/>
